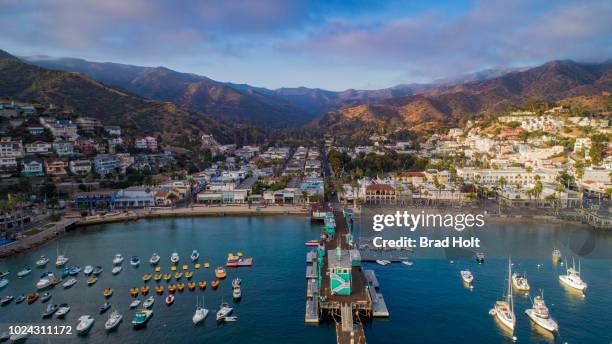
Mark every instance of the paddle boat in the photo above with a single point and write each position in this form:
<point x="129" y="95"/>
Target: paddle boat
<point x="171" y="288"/>
<point x="197" y="266"/>
<point x="144" y="290"/>
<point x="157" y="277"/>
<point x="180" y="287"/>
<point x="167" y="277"/>
<point x="188" y="274"/>
<point x="191" y="286"/>
<point x="178" y="275"/>
<point x="185" y="267"/>
<point x="133" y="292"/>
<point x="214" y="284"/>
<point x="202" y="285"/>
<point x="157" y="269"/>
<point x="146" y="277"/>
<point x="159" y="289"/>
<point x="220" y="272"/>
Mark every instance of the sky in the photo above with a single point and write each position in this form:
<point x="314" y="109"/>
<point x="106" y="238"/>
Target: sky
<point x="328" y="44"/>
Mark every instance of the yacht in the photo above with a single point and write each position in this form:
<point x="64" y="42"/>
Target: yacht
<point x="118" y="259"/>
<point x="520" y="282"/>
<point x="556" y="256"/>
<point x="116" y="270"/>
<point x="42" y="261"/>
<point x="63" y="309"/>
<point x="504" y="309"/>
<point x="224" y="311"/>
<point x="480" y="257"/>
<point x="467" y="276"/>
<point x="135" y="303"/>
<point x="141" y="317"/>
<point x="61" y="260"/>
<point x="573" y="279"/>
<point x="540" y="316"/>
<point x="148" y="303"/>
<point x="194" y="255"/>
<point x="135" y="261"/>
<point x="26" y="271"/>
<point x="49" y="311"/>
<point x="174" y="258"/>
<point x="69" y="283"/>
<point x="85" y="324"/>
<point x="383" y="262"/>
<point x="199" y="315"/>
<point x="88" y="270"/>
<point x="154" y="259"/>
<point x="97" y="270"/>
<point x="113" y="321"/>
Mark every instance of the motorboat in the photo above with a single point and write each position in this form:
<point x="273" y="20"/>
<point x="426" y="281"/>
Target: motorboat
<point x="97" y="270"/>
<point x="65" y="272"/>
<point x="519" y="282"/>
<point x="504" y="309"/>
<point x="135" y="261"/>
<point x="108" y="292"/>
<point x="236" y="293"/>
<point x="4" y="274"/>
<point x="26" y="271"/>
<point x="572" y="279"/>
<point x="194" y="255"/>
<point x="540" y="315"/>
<point x="85" y="324"/>
<point x="42" y="261"/>
<point x="3" y="282"/>
<point x="113" y="320"/>
<point x="44" y="281"/>
<point x="62" y="310"/>
<point x="61" y="260"/>
<point x="74" y="270"/>
<point x="4" y="336"/>
<point x="118" y="259"/>
<point x="141" y="318"/>
<point x="69" y="283"/>
<point x="154" y="259"/>
<point x="480" y="257"/>
<point x="224" y="310"/>
<point x="382" y="262"/>
<point x="148" y="303"/>
<point x="220" y="272"/>
<point x="467" y="276"/>
<point x="20" y="299"/>
<point x="556" y="255"/>
<point x="116" y="270"/>
<point x="236" y="282"/>
<point x="135" y="303"/>
<point x="88" y="270"/>
<point x="174" y="258"/>
<point x="92" y="280"/>
<point x="45" y="297"/>
<point x="32" y="297"/>
<point x="169" y="299"/>
<point x="6" y="300"/>
<point x="49" y="311"/>
<point x="407" y="262"/>
<point x="104" y="307"/>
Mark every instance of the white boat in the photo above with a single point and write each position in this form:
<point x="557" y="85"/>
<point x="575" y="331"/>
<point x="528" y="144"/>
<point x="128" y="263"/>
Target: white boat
<point x="519" y="282"/>
<point x="556" y="255"/>
<point x="407" y="262"/>
<point x="134" y="303"/>
<point x="116" y="270"/>
<point x="61" y="260"/>
<point x="383" y="262"/>
<point x="88" y="270"/>
<point x="135" y="261"/>
<point x="573" y="279"/>
<point x="224" y="311"/>
<point x="154" y="259"/>
<point x="200" y="313"/>
<point x="63" y="309"/>
<point x="174" y="258"/>
<point x="237" y="293"/>
<point x="236" y="282"/>
<point x="42" y="261"/>
<point x="85" y="324"/>
<point x="3" y="282"/>
<point x="113" y="320"/>
<point x="467" y="276"/>
<point x="26" y="271"/>
<point x="480" y="257"/>
<point x="540" y="315"/>
<point x="118" y="259"/>
<point x="44" y="281"/>
<point x="194" y="255"/>
<point x="504" y="309"/>
<point x="69" y="283"/>
<point x="230" y="319"/>
<point x="148" y="303"/>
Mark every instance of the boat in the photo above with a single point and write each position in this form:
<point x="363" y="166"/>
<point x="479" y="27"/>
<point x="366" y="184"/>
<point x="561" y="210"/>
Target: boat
<point x="32" y="298"/>
<point x="202" y="285"/>
<point x="178" y="275"/>
<point x="6" y="300"/>
<point x="220" y="272"/>
<point x="224" y="310"/>
<point x="572" y="279"/>
<point x="148" y="303"/>
<point x="206" y="265"/>
<point x="44" y="281"/>
<point x="188" y="274"/>
<point x="65" y="272"/>
<point x="45" y="297"/>
<point x="74" y="270"/>
<point x="199" y="315"/>
<point x="238" y="260"/>
<point x="154" y="259"/>
<point x="191" y="286"/>
<point x="230" y="319"/>
<point x="4" y="336"/>
<point x="3" y="282"/>
<point x="97" y="270"/>
<point x="214" y="284"/>
<point x="407" y="262"/>
<point x="382" y="262"/>
<point x="20" y="299"/>
<point x="540" y="315"/>
<point x="62" y="310"/>
<point x="147" y="277"/>
<point x="88" y="270"/>
<point x="85" y="324"/>
<point x="69" y="283"/>
<point x="141" y="318"/>
<point x="519" y="282"/>
<point x="467" y="276"/>
<point x="113" y="320"/>
<point x="556" y="255"/>
<point x="169" y="299"/>
<point x="92" y="280"/>
<point x="4" y="274"/>
<point x="135" y="261"/>
<point x="133" y="292"/>
<point x="116" y="270"/>
<point x="26" y="271"/>
<point x="171" y="288"/>
<point x="312" y="243"/>
<point x="104" y="307"/>
<point x="49" y="311"/>
<point x="173" y="268"/>
<point x="42" y="261"/>
<point x="236" y="282"/>
<point x="159" y="289"/>
<point x="108" y="292"/>
<point x="185" y="267"/>
<point x="236" y="293"/>
<point x="144" y="290"/>
<point x="61" y="260"/>
<point x="167" y="276"/>
<point x="157" y="277"/>
<point x="504" y="309"/>
<point x="180" y="287"/>
<point x="135" y="303"/>
<point x="197" y="266"/>
<point x="174" y="258"/>
<point x="195" y="255"/>
<point x="118" y="259"/>
<point x="480" y="257"/>
<point x="19" y="338"/>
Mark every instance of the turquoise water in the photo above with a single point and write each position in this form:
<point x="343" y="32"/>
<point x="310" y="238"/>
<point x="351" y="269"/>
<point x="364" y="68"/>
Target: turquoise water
<point x="427" y="302"/>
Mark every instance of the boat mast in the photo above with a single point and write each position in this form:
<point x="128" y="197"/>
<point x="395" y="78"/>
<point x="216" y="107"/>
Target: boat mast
<point x="510" y="300"/>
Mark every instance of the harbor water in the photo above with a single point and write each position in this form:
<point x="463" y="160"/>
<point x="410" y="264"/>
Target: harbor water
<point x="427" y="301"/>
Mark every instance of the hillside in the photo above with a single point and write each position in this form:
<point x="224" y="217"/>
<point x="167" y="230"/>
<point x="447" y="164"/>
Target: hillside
<point x="87" y="97"/>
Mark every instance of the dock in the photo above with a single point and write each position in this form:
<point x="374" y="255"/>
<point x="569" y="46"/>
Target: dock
<point x="310" y="256"/>
<point x="379" y="307"/>
<point x="371" y="278"/>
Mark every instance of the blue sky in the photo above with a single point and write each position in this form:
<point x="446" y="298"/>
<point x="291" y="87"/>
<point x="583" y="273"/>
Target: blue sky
<point x="328" y="44"/>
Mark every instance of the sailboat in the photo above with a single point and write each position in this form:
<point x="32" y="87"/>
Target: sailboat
<point x="61" y="259"/>
<point x="504" y="309"/>
<point x="200" y="313"/>
<point x="573" y="279"/>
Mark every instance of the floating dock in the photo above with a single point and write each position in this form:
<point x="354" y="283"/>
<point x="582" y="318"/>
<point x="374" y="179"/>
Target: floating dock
<point x="310" y="256"/>
<point x="371" y="278"/>
<point x="379" y="307"/>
